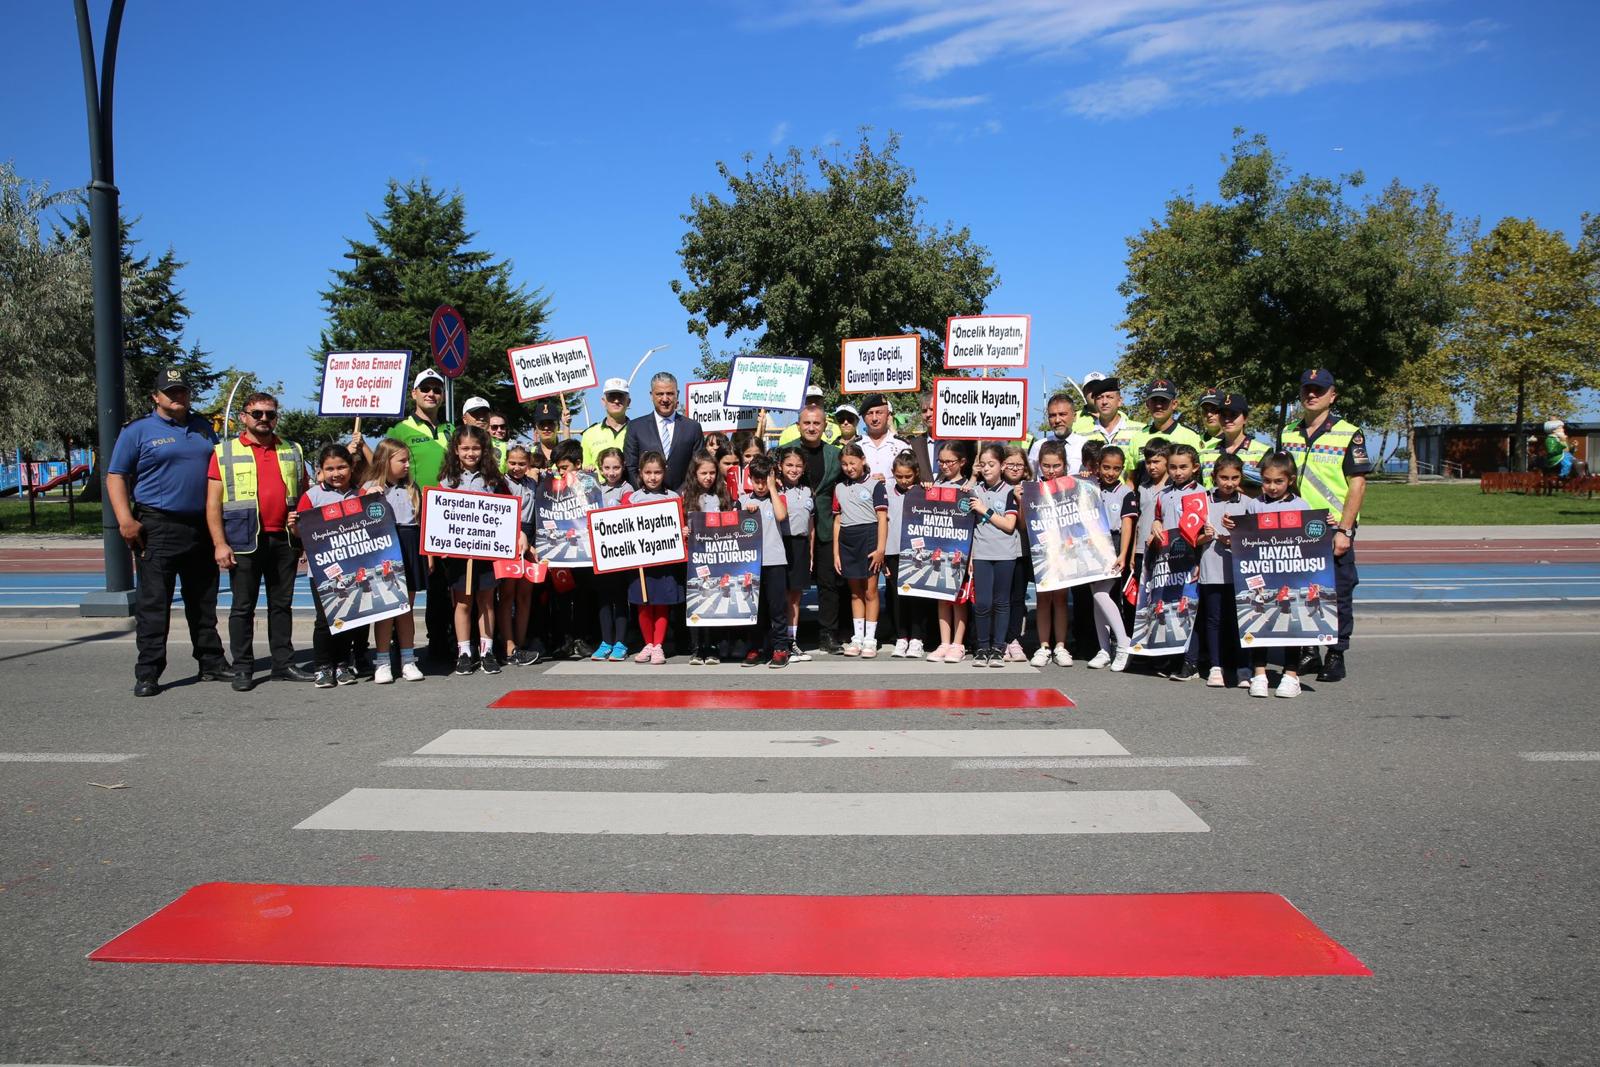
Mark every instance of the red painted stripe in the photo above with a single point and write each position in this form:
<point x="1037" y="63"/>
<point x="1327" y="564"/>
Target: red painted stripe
<point x="1178" y="935"/>
<point x="792" y="699"/>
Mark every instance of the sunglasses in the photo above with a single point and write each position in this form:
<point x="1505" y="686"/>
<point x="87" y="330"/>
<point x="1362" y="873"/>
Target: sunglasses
<point x="430" y="388"/>
<point x="264" y="415"/>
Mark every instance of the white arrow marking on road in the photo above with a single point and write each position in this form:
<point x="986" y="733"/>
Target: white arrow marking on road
<point x="773" y="744"/>
<point x="1152" y="811"/>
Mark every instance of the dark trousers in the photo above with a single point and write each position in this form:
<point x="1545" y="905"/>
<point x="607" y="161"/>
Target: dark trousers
<point x="1020" y="576"/>
<point x="274" y="562"/>
<point x="775" y="606"/>
<point x="991" y="600"/>
<point x="1345" y="580"/>
<point x="829" y="587"/>
<point x="611" y="592"/>
<point x="1219" y="621"/>
<point x="329" y="649"/>
<point x="907" y="615"/>
<point x="439" y="615"/>
<point x="1080" y="620"/>
<point x="176" y="549"/>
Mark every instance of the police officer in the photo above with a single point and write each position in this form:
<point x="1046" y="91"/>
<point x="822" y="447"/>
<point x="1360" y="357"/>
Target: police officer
<point x="612" y="430"/>
<point x="1108" y="423"/>
<point x="255" y="481"/>
<point x="156" y="482"/>
<point x="1161" y="402"/>
<point x="1233" y="411"/>
<point x="549" y="425"/>
<point x="1331" y="456"/>
<point x="427" y="438"/>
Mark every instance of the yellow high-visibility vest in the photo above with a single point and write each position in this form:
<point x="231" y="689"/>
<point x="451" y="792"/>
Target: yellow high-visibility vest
<point x="241" y="516"/>
<point x="1321" y="465"/>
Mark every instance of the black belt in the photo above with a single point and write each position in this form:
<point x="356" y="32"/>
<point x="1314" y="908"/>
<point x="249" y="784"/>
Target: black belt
<point x="141" y="510"/>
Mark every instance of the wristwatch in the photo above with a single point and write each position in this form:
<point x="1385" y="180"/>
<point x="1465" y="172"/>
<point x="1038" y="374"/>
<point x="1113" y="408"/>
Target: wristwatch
<point x="1348" y="532"/>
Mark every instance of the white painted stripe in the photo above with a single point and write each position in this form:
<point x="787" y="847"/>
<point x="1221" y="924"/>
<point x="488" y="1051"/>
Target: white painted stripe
<point x="820" y="664"/>
<point x="1095" y="762"/>
<point x="67" y="757"/>
<point x="774" y="744"/>
<point x="1151" y="811"/>
<point x="1561" y="757"/>
<point x="1542" y="634"/>
<point x="1376" y="603"/>
<point x="513" y="763"/>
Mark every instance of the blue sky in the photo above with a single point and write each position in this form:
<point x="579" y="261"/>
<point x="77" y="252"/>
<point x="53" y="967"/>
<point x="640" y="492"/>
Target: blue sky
<point x="254" y="139"/>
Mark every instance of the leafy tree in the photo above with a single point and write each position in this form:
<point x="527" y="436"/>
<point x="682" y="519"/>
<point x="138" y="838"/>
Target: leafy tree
<point x="419" y="257"/>
<point x="1282" y="274"/>
<point x="1530" y="336"/>
<point x="803" y="264"/>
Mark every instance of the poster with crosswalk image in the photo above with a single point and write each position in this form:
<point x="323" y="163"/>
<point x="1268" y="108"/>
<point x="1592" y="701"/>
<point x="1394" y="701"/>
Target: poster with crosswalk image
<point x="353" y="557"/>
<point x="561" y="506"/>
<point x="1283" y="579"/>
<point x="1067" y="534"/>
<point x="723" y="587"/>
<point x="1169" y="599"/>
<point x="935" y="543"/>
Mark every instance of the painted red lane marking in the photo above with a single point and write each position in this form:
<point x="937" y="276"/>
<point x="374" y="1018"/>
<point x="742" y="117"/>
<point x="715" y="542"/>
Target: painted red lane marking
<point x="792" y="699"/>
<point x="1164" y="935"/>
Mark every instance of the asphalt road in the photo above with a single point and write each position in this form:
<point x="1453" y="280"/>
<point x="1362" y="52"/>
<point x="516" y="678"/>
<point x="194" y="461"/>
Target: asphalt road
<point x="1394" y="809"/>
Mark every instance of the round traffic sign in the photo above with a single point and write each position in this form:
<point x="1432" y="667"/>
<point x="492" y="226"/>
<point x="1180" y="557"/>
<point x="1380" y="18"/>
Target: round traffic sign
<point x="448" y="332"/>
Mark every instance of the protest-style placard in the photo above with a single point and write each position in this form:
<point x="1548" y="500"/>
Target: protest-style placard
<point x="470" y="525"/>
<point x="561" y="506"/>
<point x="724" y="584"/>
<point x="362" y="384"/>
<point x="1283" y="580"/>
<point x="880" y="364"/>
<point x="630" y="536"/>
<point x="935" y="543"/>
<point x="979" y="342"/>
<point x="1169" y="598"/>
<point x="777" y="383"/>
<point x="353" y="557"/>
<point x="980" y="409"/>
<point x="704" y="402"/>
<point x="551" y="367"/>
<point x="1067" y="533"/>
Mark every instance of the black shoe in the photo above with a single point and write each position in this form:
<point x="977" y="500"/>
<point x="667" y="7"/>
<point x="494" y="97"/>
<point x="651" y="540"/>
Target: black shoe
<point x="1310" y="664"/>
<point x="582" y="649"/>
<point x="525" y="657"/>
<point x="220" y="673"/>
<point x="345" y="676"/>
<point x="243" y="682"/>
<point x="490" y="664"/>
<point x="1185" y="673"/>
<point x="829" y="646"/>
<point x="146" y="689"/>
<point x="366" y="665"/>
<point x="293" y="673"/>
<point x="464" y="663"/>
<point x="326" y="679"/>
<point x="1332" y="668"/>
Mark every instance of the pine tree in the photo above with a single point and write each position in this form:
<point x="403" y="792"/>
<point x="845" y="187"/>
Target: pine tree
<point x="419" y="258"/>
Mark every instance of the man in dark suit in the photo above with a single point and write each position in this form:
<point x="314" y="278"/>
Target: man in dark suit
<point x="822" y="474"/>
<point x="662" y="430"/>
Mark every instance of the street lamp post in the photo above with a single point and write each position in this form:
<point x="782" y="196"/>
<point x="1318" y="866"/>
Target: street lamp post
<point x="105" y="237"/>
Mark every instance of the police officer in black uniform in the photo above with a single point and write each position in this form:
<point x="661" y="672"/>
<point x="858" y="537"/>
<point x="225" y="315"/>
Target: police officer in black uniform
<point x="156" y="482"/>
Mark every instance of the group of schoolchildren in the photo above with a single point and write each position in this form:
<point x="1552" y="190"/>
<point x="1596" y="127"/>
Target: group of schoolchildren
<point x="633" y="612"/>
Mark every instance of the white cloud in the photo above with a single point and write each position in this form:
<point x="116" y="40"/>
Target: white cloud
<point x="943" y="103"/>
<point x="779" y="132"/>
<point x="1160" y="52"/>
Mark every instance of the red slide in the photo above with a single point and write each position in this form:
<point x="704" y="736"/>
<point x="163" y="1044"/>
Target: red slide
<point x="80" y="471"/>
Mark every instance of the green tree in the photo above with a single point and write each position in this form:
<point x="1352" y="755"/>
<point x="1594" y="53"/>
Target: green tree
<point x="1281" y="274"/>
<point x="419" y="257"/>
<point x="1530" y="335"/>
<point x="803" y="264"/>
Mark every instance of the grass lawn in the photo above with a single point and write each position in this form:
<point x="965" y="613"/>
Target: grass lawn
<point x="1463" y="504"/>
<point x="52" y="516"/>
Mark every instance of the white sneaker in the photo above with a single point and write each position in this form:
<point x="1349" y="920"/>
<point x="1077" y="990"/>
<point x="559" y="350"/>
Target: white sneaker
<point x="851" y="648"/>
<point x="411" y="672"/>
<point x="1214" y="679"/>
<point x="937" y="655"/>
<point x="914" y="649"/>
<point x="1288" y="687"/>
<point x="1014" y="653"/>
<point x="1258" y="686"/>
<point x="384" y="675"/>
<point x="798" y="654"/>
<point x="1119" y="662"/>
<point x="1101" y="659"/>
<point x="1041" y="656"/>
<point x="869" y="649"/>
<point x="1242" y="678"/>
<point x="900" y="648"/>
<point x="955" y="653"/>
<point x="1063" y="657"/>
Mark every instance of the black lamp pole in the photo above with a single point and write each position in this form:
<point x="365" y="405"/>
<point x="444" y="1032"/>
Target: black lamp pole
<point x="105" y="245"/>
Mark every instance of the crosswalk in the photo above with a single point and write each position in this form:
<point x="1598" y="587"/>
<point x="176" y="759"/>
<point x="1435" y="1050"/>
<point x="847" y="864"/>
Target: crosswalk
<point x="630" y="932"/>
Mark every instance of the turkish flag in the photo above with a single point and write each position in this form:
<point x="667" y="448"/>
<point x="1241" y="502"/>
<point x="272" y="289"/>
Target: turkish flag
<point x="1130" y="591"/>
<point x="508" y="568"/>
<point x="1190" y="526"/>
<point x="1194" y="502"/>
<point x="536" y="572"/>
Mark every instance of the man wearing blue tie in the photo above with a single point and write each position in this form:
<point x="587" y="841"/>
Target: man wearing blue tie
<point x="662" y="430"/>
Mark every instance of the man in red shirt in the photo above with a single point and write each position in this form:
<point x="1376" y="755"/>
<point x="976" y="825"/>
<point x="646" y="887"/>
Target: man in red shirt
<point x="254" y="481"/>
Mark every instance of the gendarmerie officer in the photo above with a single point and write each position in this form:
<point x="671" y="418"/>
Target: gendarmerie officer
<point x="1331" y="456"/>
<point x="156" y="482"/>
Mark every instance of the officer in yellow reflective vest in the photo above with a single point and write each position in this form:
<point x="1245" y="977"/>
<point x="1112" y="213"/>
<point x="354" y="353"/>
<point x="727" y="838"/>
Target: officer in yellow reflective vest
<point x="255" y="481"/>
<point x="1233" y="410"/>
<point x="1330" y="455"/>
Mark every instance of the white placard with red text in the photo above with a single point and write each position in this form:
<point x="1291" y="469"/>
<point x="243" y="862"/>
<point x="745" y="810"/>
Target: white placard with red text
<point x="365" y="383"/>
<point x="703" y="402"/>
<point x="552" y="367"/>
<point x="630" y="536"/>
<point x="980" y="409"/>
<point x="979" y="342"/>
<point x="470" y="525"/>
<point x="880" y="364"/>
